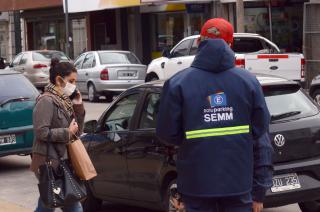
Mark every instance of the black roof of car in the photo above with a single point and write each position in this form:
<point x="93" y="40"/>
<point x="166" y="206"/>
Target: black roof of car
<point x="264" y="80"/>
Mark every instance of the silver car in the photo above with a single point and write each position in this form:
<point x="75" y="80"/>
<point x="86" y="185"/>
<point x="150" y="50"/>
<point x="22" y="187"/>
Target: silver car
<point x="105" y="73"/>
<point x="35" y="65"/>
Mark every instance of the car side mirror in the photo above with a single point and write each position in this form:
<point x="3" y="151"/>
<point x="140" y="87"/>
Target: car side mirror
<point x="166" y="53"/>
<point x="90" y="126"/>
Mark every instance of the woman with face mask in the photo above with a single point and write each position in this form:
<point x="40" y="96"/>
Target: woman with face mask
<point x="60" y="117"/>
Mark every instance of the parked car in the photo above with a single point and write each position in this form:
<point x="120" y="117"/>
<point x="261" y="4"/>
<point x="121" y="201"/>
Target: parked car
<point x="314" y="90"/>
<point x="135" y="168"/>
<point x="17" y="99"/>
<point x="253" y="52"/>
<point x="35" y="65"/>
<point x="105" y="73"/>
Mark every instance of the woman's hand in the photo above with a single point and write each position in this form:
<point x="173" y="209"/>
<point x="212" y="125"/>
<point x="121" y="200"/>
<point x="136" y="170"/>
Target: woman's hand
<point x="77" y="99"/>
<point x="73" y="128"/>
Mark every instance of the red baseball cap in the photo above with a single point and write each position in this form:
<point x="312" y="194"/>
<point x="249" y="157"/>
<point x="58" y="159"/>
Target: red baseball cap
<point x="218" y="28"/>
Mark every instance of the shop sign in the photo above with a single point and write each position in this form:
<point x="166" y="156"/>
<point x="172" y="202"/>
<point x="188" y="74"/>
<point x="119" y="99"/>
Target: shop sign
<point x="75" y="6"/>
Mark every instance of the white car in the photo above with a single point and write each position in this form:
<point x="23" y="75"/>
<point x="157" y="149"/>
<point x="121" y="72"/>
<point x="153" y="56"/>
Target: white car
<point x="253" y="52"/>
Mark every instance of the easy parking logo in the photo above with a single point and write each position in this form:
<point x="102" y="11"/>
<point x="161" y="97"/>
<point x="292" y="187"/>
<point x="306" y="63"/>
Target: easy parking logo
<point x="218" y="100"/>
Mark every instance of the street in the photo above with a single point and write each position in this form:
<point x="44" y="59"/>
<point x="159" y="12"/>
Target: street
<point x="19" y="186"/>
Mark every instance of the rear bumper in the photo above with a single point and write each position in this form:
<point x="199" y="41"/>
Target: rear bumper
<point x="116" y="85"/>
<point x="24" y="151"/>
<point x="39" y="79"/>
<point x="309" y="177"/>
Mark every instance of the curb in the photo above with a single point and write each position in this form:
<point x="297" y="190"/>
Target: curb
<point x="11" y="207"/>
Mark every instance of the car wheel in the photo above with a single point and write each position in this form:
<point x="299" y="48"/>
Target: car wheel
<point x="167" y="203"/>
<point x="152" y="77"/>
<point x="109" y="97"/>
<point x="91" y="203"/>
<point x="313" y="206"/>
<point x="316" y="96"/>
<point x="92" y="94"/>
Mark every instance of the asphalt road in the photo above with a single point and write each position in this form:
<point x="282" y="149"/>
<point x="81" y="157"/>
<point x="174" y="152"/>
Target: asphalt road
<point x="19" y="186"/>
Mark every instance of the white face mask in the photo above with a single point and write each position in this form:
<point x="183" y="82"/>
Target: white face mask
<point x="69" y="89"/>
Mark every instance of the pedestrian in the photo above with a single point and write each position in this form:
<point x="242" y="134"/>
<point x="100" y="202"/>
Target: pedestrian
<point x="216" y="113"/>
<point x="61" y="117"/>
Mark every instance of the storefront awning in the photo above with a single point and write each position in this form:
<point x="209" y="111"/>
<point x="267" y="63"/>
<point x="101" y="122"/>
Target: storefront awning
<point x="11" y="5"/>
<point x="75" y="6"/>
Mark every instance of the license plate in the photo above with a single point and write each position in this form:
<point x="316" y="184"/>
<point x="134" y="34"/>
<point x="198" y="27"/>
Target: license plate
<point x="7" y="140"/>
<point x="128" y="74"/>
<point x="285" y="183"/>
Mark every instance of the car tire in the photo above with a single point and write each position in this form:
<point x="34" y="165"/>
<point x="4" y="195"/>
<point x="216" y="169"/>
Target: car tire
<point x="152" y="77"/>
<point x="316" y="96"/>
<point x="109" y="98"/>
<point x="92" y="94"/>
<point x="91" y="203"/>
<point x="167" y="196"/>
<point x="313" y="206"/>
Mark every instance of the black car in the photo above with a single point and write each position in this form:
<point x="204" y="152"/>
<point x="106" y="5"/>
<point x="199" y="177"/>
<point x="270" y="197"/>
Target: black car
<point x="135" y="168"/>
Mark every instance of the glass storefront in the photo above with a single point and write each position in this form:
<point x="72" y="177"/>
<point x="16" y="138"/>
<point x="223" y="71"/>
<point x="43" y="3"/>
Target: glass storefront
<point x="51" y="35"/>
<point x="172" y="27"/>
<point x="287" y="22"/>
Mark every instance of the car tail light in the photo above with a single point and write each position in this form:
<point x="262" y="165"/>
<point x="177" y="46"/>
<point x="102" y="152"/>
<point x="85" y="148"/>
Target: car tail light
<point x="303" y="62"/>
<point x="240" y="63"/>
<point x="36" y="66"/>
<point x="104" y="75"/>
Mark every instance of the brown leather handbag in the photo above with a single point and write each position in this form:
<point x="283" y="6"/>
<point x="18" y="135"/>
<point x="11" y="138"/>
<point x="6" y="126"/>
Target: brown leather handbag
<point x="81" y="161"/>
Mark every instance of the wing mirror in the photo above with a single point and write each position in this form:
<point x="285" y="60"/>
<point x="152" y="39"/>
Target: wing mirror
<point x="166" y="52"/>
<point x="90" y="126"/>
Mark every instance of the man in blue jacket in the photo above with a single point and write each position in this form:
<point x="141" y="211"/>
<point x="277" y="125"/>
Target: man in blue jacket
<point x="216" y="113"/>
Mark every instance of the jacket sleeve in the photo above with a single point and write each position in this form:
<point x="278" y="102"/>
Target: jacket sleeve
<point x="260" y="115"/>
<point x="169" y="120"/>
<point x="79" y="116"/>
<point x="263" y="168"/>
<point x="42" y="119"/>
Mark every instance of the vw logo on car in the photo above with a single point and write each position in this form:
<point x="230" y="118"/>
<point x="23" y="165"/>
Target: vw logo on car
<point x="279" y="140"/>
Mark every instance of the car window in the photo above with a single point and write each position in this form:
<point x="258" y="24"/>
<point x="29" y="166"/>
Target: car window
<point x="16" y="85"/>
<point x="118" y="58"/>
<point x="78" y="62"/>
<point x="289" y="100"/>
<point x="24" y="59"/>
<point x="194" y="47"/>
<point x="247" y="45"/>
<point x="87" y="63"/>
<point x="120" y="115"/>
<point x="17" y="59"/>
<point x="182" y="49"/>
<point x="150" y="112"/>
<point x="48" y="55"/>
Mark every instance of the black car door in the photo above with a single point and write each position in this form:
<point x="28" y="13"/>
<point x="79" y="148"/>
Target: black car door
<point x="107" y="148"/>
<point x="146" y="156"/>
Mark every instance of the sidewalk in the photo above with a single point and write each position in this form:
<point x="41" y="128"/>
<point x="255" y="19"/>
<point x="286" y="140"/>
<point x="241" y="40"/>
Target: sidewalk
<point x="11" y="207"/>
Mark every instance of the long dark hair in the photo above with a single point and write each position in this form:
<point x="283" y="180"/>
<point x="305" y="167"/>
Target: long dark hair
<point x="61" y="69"/>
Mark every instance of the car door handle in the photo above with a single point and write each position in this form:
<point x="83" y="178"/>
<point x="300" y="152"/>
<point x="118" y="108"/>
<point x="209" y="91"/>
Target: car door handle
<point x="179" y="63"/>
<point x="86" y="74"/>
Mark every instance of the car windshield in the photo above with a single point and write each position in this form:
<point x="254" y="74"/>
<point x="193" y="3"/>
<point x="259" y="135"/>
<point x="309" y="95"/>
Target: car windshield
<point x="15" y="86"/>
<point x="118" y="58"/>
<point x="288" y="103"/>
<point x="48" y="55"/>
